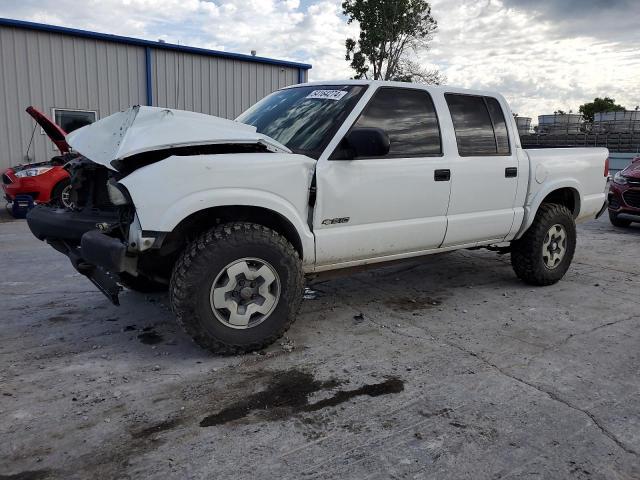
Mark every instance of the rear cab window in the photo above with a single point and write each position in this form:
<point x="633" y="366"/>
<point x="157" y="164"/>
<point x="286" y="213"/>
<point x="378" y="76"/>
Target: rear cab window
<point x="479" y="124"/>
<point x="409" y="118"/>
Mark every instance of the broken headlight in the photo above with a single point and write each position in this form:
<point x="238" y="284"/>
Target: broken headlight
<point x="117" y="193"/>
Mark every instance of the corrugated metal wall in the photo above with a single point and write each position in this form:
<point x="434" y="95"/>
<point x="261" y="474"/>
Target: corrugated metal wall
<point x="49" y="70"/>
<point x="52" y="70"/>
<point x="217" y="86"/>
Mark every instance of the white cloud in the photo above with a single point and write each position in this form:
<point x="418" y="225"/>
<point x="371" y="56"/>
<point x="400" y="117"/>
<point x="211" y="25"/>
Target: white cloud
<point x="530" y="53"/>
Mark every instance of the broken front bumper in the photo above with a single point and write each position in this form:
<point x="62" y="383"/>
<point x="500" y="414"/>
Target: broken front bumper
<point x="93" y="253"/>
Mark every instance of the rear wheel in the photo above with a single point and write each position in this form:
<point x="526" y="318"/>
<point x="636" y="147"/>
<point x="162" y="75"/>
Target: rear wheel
<point x="61" y="194"/>
<point x="237" y="288"/>
<point x="618" y="222"/>
<point x="543" y="255"/>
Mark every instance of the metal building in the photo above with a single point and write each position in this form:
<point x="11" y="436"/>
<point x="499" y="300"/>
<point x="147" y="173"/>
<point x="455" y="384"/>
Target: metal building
<point x="77" y="76"/>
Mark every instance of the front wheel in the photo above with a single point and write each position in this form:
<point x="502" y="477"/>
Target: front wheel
<point x="543" y="254"/>
<point x="237" y="288"/>
<point x="61" y="194"/>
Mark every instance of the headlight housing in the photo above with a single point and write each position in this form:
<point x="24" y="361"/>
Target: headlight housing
<point x="32" y="172"/>
<point x="118" y="193"/>
<point x="620" y="179"/>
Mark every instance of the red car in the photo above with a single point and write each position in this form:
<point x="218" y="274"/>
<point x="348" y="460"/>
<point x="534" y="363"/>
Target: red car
<point x="45" y="182"/>
<point x="624" y="195"/>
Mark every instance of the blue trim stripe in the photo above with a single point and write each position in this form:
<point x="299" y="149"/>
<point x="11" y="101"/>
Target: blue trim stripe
<point x="147" y="70"/>
<point x="8" y="22"/>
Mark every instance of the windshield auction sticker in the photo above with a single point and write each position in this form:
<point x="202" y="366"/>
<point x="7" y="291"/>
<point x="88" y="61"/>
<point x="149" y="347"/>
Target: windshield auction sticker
<point x="327" y="94"/>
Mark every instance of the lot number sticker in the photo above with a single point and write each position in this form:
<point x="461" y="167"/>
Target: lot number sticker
<point x="327" y="94"/>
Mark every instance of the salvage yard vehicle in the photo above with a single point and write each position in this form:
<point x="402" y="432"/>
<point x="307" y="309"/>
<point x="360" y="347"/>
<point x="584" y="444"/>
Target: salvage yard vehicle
<point x="44" y="182"/>
<point x="232" y="215"/>
<point x="624" y="195"/>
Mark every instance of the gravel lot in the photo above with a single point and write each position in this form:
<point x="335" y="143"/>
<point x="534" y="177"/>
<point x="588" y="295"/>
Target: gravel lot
<point x="447" y="368"/>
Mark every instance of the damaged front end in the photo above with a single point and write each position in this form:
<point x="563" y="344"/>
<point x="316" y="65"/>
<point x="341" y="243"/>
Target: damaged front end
<point x="101" y="232"/>
<point x="94" y="232"/>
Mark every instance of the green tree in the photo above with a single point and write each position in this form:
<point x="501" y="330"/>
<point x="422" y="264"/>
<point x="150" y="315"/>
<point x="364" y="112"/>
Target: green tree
<point x="389" y="30"/>
<point x="605" y="104"/>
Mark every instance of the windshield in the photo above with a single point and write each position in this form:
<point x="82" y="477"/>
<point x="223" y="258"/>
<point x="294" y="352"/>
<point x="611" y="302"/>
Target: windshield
<point x="303" y="118"/>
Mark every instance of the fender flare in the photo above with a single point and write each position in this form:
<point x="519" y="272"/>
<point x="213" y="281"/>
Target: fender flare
<point x="223" y="197"/>
<point x="534" y="204"/>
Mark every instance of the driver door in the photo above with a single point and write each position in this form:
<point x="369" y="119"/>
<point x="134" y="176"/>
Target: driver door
<point x="387" y="206"/>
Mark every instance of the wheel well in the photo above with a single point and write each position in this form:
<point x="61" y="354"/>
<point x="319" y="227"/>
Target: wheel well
<point x="568" y="197"/>
<point x="59" y="183"/>
<point x="198" y="222"/>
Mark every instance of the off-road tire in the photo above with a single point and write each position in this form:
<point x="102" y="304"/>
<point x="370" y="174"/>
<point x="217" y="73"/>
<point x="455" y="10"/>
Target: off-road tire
<point x="56" y="193"/>
<point x="618" y="222"/>
<point x="142" y="284"/>
<point x="202" y="261"/>
<point x="526" y="252"/>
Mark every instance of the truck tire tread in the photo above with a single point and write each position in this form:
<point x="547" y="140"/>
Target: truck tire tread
<point x="212" y="243"/>
<point x="526" y="259"/>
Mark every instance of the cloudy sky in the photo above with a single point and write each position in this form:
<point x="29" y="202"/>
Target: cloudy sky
<point x="543" y="55"/>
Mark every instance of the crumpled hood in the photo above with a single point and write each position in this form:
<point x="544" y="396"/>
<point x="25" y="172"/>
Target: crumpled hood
<point x="143" y="129"/>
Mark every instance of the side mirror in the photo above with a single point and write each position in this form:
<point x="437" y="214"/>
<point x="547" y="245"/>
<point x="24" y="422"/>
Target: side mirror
<point x="365" y="142"/>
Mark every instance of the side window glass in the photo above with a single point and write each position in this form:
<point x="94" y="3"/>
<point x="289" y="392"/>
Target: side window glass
<point x="499" y="126"/>
<point x="409" y="119"/>
<point x="472" y="124"/>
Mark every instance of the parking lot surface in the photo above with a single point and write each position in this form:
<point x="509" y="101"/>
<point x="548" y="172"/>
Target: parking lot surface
<point x="443" y="368"/>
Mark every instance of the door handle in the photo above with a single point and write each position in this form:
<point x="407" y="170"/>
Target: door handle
<point x="511" y="172"/>
<point x="443" y="175"/>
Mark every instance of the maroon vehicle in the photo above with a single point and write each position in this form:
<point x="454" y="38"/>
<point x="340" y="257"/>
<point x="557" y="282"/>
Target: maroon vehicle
<point x="624" y="195"/>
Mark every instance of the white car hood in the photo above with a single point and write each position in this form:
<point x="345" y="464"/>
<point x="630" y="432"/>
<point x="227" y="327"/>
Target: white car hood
<point x="142" y="129"/>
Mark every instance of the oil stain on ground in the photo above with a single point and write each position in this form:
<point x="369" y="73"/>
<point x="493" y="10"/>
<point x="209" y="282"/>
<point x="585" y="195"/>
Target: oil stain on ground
<point x="288" y="393"/>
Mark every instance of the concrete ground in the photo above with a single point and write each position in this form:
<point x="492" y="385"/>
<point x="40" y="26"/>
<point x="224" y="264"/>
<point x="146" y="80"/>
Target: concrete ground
<point x="447" y="368"/>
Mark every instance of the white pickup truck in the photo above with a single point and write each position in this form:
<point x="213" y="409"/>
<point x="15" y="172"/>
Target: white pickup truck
<point x="231" y="216"/>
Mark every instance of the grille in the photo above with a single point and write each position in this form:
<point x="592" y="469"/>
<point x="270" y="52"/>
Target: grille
<point x="6" y="180"/>
<point x="633" y="181"/>
<point x="632" y="198"/>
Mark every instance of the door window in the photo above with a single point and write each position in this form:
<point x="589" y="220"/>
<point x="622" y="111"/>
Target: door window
<point x="479" y="125"/>
<point x="409" y="119"/>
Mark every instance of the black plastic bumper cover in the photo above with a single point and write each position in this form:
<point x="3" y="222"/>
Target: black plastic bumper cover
<point x="46" y="222"/>
<point x="97" y="256"/>
<point x="102" y="276"/>
<point x="103" y="251"/>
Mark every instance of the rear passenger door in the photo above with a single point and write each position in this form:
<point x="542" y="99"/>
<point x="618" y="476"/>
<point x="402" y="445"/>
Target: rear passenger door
<point x="484" y="171"/>
<point x="390" y="205"/>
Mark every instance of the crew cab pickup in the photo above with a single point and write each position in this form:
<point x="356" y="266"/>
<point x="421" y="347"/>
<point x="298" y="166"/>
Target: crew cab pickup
<point x="231" y="216"/>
